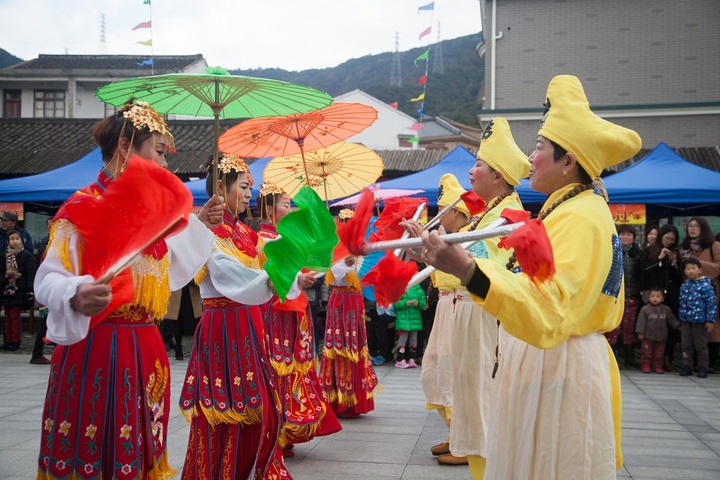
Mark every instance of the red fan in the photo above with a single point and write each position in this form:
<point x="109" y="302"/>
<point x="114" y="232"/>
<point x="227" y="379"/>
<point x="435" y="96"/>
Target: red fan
<point x="396" y="210"/>
<point x="389" y="278"/>
<point x="532" y="249"/>
<point x="514" y="216"/>
<point x="352" y="233"/>
<point x="473" y="202"/>
<point x="144" y="205"/>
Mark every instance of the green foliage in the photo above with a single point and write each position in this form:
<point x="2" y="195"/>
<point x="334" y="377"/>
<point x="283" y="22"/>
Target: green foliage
<point x="452" y="94"/>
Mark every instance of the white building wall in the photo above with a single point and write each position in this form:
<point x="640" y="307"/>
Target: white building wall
<point x="387" y="129"/>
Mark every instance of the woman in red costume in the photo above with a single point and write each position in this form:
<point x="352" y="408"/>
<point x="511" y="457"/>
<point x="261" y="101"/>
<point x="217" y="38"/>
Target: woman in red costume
<point x="291" y="347"/>
<point x="228" y="394"/>
<point x="346" y="374"/>
<point x="108" y="398"/>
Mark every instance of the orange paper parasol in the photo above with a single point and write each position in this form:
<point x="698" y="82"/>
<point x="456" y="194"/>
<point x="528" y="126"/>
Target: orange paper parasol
<point x="297" y="133"/>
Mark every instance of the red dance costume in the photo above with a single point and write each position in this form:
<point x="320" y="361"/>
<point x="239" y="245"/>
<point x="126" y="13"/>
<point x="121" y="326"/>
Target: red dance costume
<point x="346" y="373"/>
<point x="228" y="394"/>
<point x="291" y="348"/>
<point x="108" y="397"/>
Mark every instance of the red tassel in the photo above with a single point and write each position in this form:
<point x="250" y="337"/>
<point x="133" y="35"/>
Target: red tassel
<point x="352" y="233"/>
<point x="396" y="210"/>
<point x="473" y="202"/>
<point x="389" y="278"/>
<point x="532" y="249"/>
<point x="143" y="200"/>
<point x="514" y="216"/>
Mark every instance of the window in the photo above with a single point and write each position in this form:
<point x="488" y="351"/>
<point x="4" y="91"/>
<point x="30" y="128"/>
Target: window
<point x="49" y="103"/>
<point x="11" y="103"/>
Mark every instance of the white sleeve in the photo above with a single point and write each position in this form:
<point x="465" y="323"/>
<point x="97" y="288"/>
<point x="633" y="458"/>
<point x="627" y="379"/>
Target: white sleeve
<point x="340" y="269"/>
<point x="237" y="282"/>
<point x="55" y="287"/>
<point x="189" y="251"/>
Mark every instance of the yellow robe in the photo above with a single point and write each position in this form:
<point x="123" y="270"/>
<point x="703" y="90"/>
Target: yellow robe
<point x="558" y="401"/>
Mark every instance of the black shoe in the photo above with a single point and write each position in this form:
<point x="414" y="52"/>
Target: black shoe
<point x="702" y="372"/>
<point x="40" y="361"/>
<point x="6" y="346"/>
<point x="14" y="347"/>
<point x="686" y="371"/>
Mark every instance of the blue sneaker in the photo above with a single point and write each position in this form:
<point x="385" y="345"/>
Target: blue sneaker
<point x="379" y="360"/>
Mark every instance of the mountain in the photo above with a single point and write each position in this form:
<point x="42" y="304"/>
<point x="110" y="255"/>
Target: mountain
<point x="7" y="59"/>
<point x="451" y="94"/>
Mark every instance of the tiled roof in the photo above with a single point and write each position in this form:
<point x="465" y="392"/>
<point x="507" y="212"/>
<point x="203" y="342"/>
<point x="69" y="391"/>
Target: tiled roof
<point x="30" y="146"/>
<point x="162" y="63"/>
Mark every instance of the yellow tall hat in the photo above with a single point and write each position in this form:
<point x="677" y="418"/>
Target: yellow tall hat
<point x="569" y="122"/>
<point x="499" y="150"/>
<point x="449" y="191"/>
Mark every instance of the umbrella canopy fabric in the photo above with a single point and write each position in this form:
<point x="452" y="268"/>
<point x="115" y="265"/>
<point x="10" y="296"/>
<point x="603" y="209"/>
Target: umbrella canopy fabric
<point x="379" y="193"/>
<point x="335" y="171"/>
<point x="291" y="134"/>
<point x="215" y="93"/>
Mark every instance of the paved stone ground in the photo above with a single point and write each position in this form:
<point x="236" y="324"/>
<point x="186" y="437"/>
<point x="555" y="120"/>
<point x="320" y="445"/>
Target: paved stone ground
<point x="671" y="428"/>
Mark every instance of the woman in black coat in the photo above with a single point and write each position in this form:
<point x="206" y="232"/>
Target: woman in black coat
<point x="659" y="269"/>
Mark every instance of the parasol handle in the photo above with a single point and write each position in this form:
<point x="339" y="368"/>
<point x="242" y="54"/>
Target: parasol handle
<point x="406" y="233"/>
<point x="436" y="219"/>
<point x="429" y="270"/>
<point x="447" y="238"/>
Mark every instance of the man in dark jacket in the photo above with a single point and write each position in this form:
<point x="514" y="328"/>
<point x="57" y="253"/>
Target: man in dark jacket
<point x="8" y="221"/>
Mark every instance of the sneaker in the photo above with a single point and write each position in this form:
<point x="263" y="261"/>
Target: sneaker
<point x="379" y="360"/>
<point x="659" y="370"/>
<point x="646" y="368"/>
<point x="702" y="372"/>
<point x="686" y="371"/>
<point x="411" y="363"/>
<point x="401" y="364"/>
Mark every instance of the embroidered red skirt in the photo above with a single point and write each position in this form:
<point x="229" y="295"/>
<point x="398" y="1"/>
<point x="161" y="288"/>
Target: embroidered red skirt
<point x="107" y="403"/>
<point x="346" y="374"/>
<point x="289" y="337"/>
<point x="229" y="397"/>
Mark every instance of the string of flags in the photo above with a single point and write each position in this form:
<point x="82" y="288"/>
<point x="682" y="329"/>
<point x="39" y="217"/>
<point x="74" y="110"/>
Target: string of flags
<point x="147" y="43"/>
<point x="422" y="81"/>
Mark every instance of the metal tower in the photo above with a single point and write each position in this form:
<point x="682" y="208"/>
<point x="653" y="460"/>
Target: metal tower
<point x="438" y="65"/>
<point x="102" y="46"/>
<point x="396" y="72"/>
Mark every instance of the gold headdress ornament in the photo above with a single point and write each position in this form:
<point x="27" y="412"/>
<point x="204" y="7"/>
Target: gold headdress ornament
<point x="142" y="115"/>
<point x="346" y="214"/>
<point x="269" y="188"/>
<point x="230" y="162"/>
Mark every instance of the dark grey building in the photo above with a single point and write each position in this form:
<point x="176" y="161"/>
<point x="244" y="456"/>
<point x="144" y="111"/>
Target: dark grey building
<point x="650" y="65"/>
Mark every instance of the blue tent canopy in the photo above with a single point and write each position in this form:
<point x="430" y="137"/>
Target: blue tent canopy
<point x="664" y="177"/>
<point x="53" y="186"/>
<point x="458" y="162"/>
<point x="56" y="186"/>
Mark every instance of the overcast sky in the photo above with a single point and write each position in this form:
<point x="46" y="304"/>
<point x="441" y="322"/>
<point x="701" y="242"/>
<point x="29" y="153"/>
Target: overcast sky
<point x="287" y="34"/>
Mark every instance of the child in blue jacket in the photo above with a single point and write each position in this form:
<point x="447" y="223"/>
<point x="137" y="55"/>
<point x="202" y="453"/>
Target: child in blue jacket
<point x="698" y="308"/>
